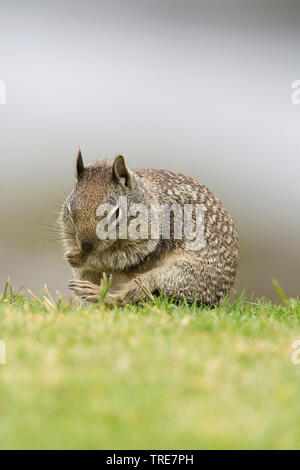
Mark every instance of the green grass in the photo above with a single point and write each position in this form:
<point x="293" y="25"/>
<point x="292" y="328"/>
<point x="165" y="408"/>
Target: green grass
<point x="152" y="377"/>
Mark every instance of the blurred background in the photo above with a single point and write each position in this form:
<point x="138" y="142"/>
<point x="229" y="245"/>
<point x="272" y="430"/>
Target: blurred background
<point x="203" y="87"/>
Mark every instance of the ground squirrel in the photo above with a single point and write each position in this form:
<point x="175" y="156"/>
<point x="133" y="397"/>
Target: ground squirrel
<point x="163" y="264"/>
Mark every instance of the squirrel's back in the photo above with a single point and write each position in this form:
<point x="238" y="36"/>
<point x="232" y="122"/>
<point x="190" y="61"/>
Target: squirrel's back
<point x="175" y="188"/>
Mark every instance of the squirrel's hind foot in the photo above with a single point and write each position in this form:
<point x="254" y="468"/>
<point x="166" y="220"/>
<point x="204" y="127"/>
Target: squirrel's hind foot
<point x="85" y="290"/>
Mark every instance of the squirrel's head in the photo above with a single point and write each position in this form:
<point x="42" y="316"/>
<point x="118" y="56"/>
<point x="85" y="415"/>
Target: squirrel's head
<point x="95" y="216"/>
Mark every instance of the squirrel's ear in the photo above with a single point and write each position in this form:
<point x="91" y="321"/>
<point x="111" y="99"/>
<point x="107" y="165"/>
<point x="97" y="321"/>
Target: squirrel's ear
<point x="121" y="172"/>
<point x="79" y="165"/>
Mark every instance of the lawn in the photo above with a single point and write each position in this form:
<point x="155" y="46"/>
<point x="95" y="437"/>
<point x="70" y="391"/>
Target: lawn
<point x="152" y="377"/>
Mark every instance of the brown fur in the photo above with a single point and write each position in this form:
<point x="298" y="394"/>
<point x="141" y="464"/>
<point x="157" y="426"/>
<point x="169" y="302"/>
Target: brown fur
<point x="206" y="275"/>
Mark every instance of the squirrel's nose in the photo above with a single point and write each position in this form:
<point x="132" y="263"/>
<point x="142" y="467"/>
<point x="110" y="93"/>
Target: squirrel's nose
<point x="87" y="245"/>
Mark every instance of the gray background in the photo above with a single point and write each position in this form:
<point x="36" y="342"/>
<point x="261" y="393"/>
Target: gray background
<point x="202" y="87"/>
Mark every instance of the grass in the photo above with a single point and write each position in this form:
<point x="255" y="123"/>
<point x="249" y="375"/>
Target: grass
<point x="152" y="377"/>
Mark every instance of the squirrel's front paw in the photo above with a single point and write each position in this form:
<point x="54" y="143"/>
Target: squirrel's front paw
<point x="111" y="300"/>
<point x="75" y="258"/>
<point x="86" y="290"/>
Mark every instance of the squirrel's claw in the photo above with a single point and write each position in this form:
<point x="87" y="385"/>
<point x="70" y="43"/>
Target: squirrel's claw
<point x="91" y="298"/>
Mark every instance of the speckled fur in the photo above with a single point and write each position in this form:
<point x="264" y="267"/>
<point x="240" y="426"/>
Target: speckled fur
<point x="162" y="265"/>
